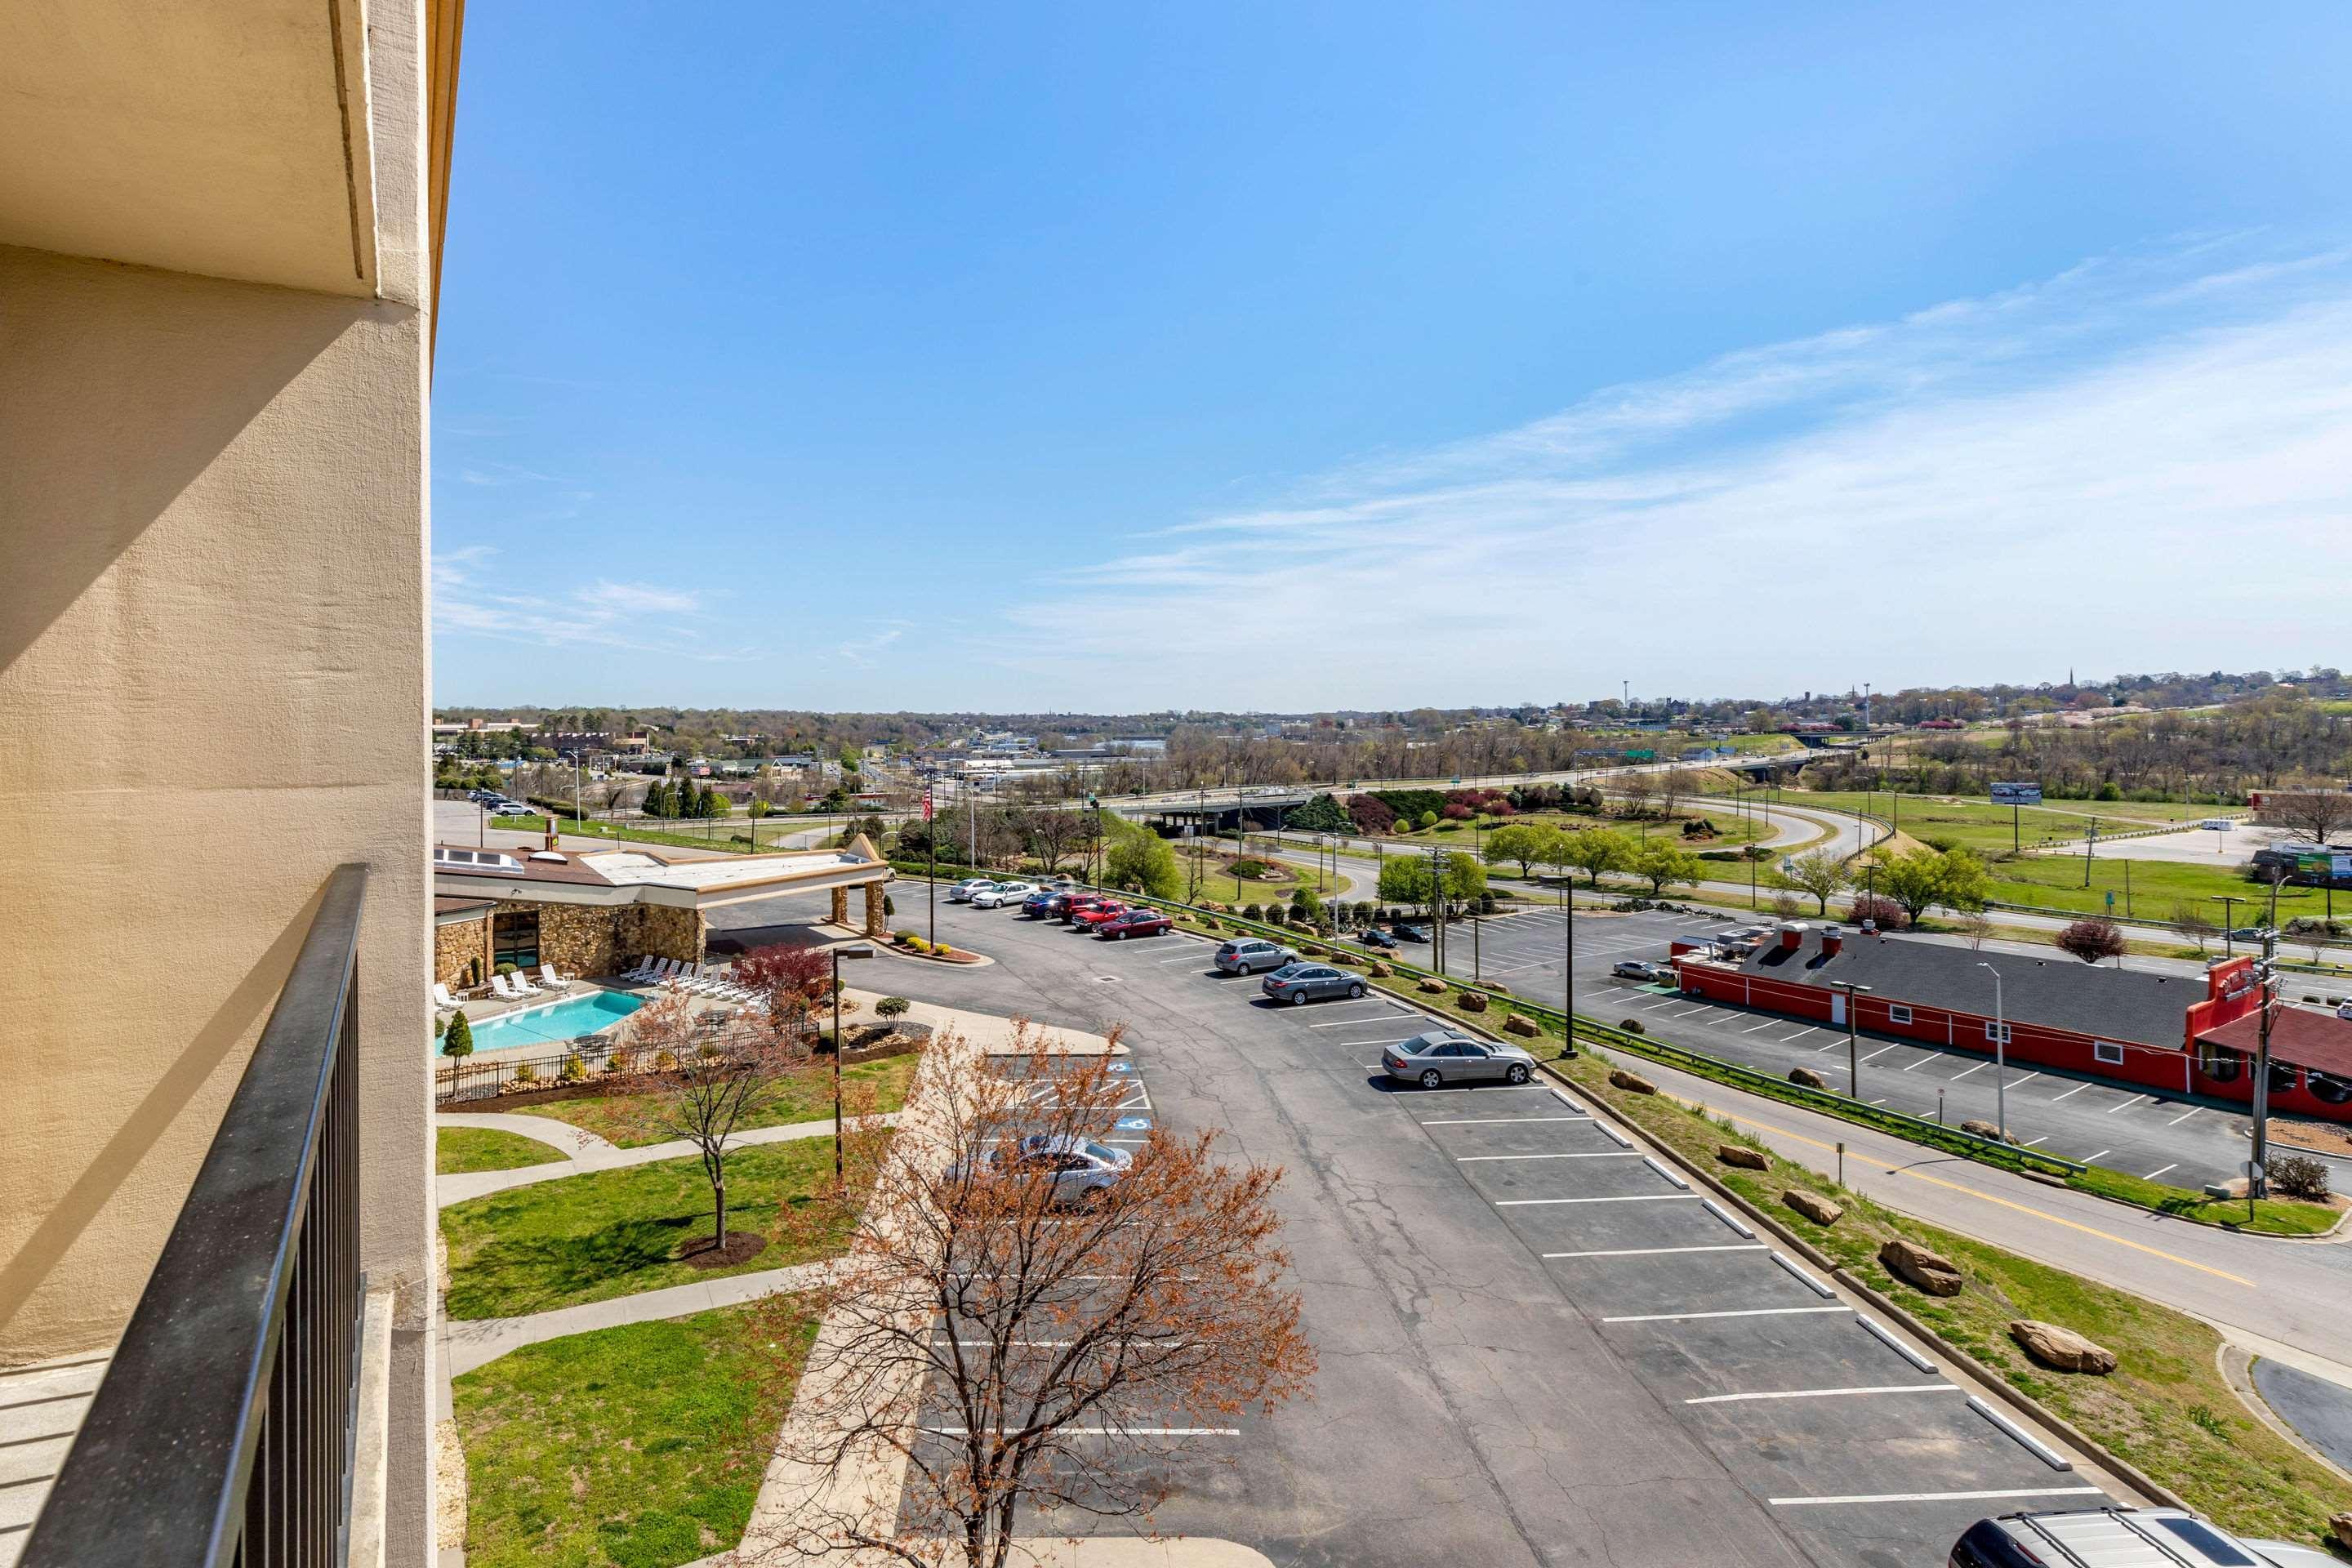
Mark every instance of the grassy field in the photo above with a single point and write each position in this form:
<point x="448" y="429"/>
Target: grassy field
<point x="458" y="1150"/>
<point x="2165" y="1408"/>
<point x="614" y="1233"/>
<point x="1731" y="827"/>
<point x="1980" y="825"/>
<point x="636" y="1447"/>
<point x="758" y="833"/>
<point x="875" y="1085"/>
<point x="1218" y="886"/>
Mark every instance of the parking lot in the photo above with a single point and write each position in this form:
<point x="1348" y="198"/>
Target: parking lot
<point x="1521" y="1321"/>
<point x="2163" y="1137"/>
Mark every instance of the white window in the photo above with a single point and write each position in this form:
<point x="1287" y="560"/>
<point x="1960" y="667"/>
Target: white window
<point x="1896" y="1013"/>
<point x="1997" y="1032"/>
<point x="2108" y="1052"/>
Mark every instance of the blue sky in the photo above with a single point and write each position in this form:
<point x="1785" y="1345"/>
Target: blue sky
<point x="1126" y="357"/>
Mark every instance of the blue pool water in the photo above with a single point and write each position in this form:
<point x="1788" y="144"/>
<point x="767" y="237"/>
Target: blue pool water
<point x="553" y="1026"/>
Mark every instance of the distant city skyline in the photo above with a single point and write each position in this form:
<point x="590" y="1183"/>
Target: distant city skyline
<point x="1085" y="359"/>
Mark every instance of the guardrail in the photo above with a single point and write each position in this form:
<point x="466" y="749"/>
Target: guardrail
<point x="223" y="1431"/>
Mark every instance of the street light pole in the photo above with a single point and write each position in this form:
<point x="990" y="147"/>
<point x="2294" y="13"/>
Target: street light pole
<point x="838" y="954"/>
<point x="1999" y="1054"/>
<point x="1853" y="1057"/>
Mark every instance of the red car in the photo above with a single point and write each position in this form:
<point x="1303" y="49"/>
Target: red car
<point x="1096" y="916"/>
<point x="1078" y="904"/>
<point x="1135" y="923"/>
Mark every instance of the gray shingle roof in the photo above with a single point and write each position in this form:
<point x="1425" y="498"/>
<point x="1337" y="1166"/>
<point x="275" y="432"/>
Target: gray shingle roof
<point x="2057" y="992"/>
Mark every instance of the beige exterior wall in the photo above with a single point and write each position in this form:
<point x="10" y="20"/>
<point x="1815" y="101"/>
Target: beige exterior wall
<point x="213" y="679"/>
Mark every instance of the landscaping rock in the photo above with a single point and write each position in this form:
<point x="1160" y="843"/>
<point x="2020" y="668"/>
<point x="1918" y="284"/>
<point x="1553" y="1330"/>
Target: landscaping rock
<point x="1473" y="1002"/>
<point x="1429" y="985"/>
<point x="1630" y="1083"/>
<point x="1983" y="1129"/>
<point x="1381" y="971"/>
<point x="1807" y="1077"/>
<point x="1920" y="1268"/>
<point x="1812" y="1205"/>
<point x="1515" y="1024"/>
<point x="2341" y="1523"/>
<point x="2062" y="1349"/>
<point x="1741" y="1155"/>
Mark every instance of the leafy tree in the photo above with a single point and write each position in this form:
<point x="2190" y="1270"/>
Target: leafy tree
<point x="1305" y="905"/>
<point x="1663" y="863"/>
<point x="2090" y="940"/>
<point x="1924" y="878"/>
<point x="1599" y="849"/>
<point x="459" y="1040"/>
<point x="1142" y="860"/>
<point x="1404" y="879"/>
<point x="1821" y="873"/>
<point x="1526" y="843"/>
<point x="1464" y="877"/>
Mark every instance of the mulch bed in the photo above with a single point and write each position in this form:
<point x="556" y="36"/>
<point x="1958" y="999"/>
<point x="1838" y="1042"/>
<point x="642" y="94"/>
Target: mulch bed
<point x="743" y="1246"/>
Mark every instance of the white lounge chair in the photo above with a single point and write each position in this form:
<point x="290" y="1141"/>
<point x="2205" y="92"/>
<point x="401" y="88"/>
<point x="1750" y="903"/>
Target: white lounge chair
<point x="642" y="970"/>
<point x="503" y="991"/>
<point x="552" y="981"/>
<point x="441" y="999"/>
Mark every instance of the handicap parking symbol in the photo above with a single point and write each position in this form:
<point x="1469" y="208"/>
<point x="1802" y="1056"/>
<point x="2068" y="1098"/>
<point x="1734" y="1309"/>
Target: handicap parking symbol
<point x="1135" y="1124"/>
<point x="1121" y="1066"/>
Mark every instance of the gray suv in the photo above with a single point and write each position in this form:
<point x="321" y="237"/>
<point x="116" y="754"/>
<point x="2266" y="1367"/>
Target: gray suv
<point x="1440" y="1058"/>
<point x="2119" y="1538"/>
<point x="1249" y="954"/>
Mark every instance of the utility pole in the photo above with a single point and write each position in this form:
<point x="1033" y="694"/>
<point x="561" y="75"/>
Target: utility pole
<point x="1852" y="1058"/>
<point x="931" y="839"/>
<point x="2090" y="839"/>
<point x="2228" y="903"/>
<point x="2267" y="980"/>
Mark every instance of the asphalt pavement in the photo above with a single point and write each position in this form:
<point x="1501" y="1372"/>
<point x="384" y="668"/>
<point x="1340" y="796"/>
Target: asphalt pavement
<point x="1520" y="1361"/>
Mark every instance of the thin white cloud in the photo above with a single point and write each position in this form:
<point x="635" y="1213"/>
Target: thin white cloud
<point x="636" y="617"/>
<point x="639" y="598"/>
<point x="862" y="651"/>
<point x="2140" y="463"/>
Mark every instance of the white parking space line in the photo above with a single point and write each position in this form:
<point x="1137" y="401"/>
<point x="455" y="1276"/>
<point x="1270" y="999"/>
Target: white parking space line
<point x="1765" y="1025"/>
<point x="1687" y="1011"/>
<point x="2070" y="1093"/>
<point x="1345" y="1022"/>
<point x="2022" y="1082"/>
<point x="1660" y="1251"/>
<point x="1957" y="1076"/>
<point x="1799" y="1035"/>
<point x="1188" y="958"/>
<point x="1923" y="1061"/>
<point x="2089" y="1158"/>
<point x="1880" y="1052"/>
<point x="1588" y="1154"/>
<point x="1831" y="1046"/>
<point x="1932" y="1497"/>
<point x="1826" y="1393"/>
<point x="2032" y="1141"/>
<point x="2184" y="1116"/>
<point x="2160" y="1170"/>
<point x="1634" y="1198"/>
<point x="1736" y="1312"/>
<point x="2134" y="1099"/>
<point x="1669" y="1001"/>
<point x="1495" y="1120"/>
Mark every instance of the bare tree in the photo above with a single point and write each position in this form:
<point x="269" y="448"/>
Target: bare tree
<point x="1058" y="835"/>
<point x="2314" y="814"/>
<point x="1821" y="874"/>
<point x="1637" y="789"/>
<point x="1006" y="1342"/>
<point x="1785" y="905"/>
<point x="1976" y="926"/>
<point x="708" y="1081"/>
<point x="2194" y="923"/>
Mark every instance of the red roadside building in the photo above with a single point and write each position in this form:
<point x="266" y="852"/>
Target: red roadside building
<point x="2169" y="1034"/>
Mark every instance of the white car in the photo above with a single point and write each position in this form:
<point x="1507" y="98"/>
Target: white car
<point x="962" y="891"/>
<point x="1001" y="894"/>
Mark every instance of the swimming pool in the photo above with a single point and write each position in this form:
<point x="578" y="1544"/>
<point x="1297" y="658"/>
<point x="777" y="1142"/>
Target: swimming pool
<point x="554" y="1024"/>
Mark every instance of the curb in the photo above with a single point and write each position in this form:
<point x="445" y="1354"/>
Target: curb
<point x="1993" y="1382"/>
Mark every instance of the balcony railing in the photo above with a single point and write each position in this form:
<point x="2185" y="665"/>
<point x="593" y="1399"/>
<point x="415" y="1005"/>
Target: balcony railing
<point x="222" y="1434"/>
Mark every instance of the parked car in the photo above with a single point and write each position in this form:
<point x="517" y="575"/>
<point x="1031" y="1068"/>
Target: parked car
<point x="1411" y="933"/>
<point x="1373" y="936"/>
<point x="1441" y="1056"/>
<point x="1001" y="894"/>
<point x="1079" y="1168"/>
<point x="1079" y="904"/>
<point x="1249" y="954"/>
<point x="1136" y="922"/>
<point x="2120" y="1538"/>
<point x="1302" y="982"/>
<point x="1039" y="905"/>
<point x="1096" y="916"/>
<point x="962" y="891"/>
<point x="1634" y="969"/>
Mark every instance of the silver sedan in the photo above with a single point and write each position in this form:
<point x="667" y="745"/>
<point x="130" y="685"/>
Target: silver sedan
<point x="1437" y="1058"/>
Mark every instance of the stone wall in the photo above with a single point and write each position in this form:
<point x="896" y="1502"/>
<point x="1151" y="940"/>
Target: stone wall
<point x="459" y="945"/>
<point x="665" y="931"/>
<point x="578" y="938"/>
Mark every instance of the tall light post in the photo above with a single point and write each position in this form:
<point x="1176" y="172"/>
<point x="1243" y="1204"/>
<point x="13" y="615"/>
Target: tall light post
<point x="1568" y="960"/>
<point x="1999" y="1054"/>
<point x="838" y="954"/>
<point x="1852" y="1058"/>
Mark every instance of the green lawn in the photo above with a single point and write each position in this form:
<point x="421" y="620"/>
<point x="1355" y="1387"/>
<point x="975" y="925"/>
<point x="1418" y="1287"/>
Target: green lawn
<point x="639" y="1447"/>
<point x="2165" y="1408"/>
<point x="614" y="1233"/>
<point x="807" y="1097"/>
<point x="756" y="835"/>
<point x="462" y="1149"/>
<point x="1985" y="828"/>
<point x="1216" y="886"/>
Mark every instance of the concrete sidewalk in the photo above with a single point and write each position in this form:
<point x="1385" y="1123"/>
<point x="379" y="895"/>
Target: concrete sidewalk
<point x="469" y="1342"/>
<point x="596" y="1155"/>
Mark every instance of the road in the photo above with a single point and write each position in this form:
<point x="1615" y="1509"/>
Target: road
<point x="1525" y="1358"/>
